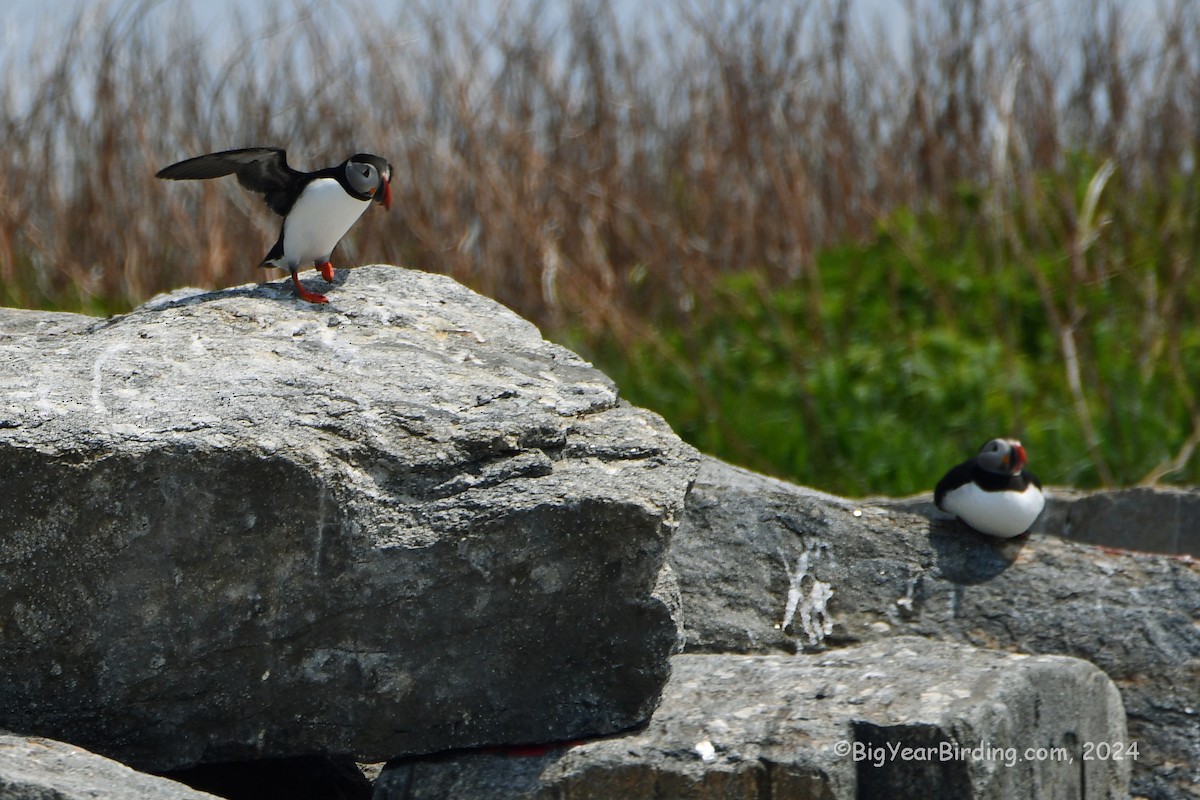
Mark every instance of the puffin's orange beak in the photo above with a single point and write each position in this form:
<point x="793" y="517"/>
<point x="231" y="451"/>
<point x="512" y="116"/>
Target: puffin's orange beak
<point x="1018" y="458"/>
<point x="386" y="199"/>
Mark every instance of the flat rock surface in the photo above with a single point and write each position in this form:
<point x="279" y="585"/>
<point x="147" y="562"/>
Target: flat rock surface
<point x="238" y="525"/>
<point x="904" y="717"/>
<point x="32" y="768"/>
<point x="764" y="566"/>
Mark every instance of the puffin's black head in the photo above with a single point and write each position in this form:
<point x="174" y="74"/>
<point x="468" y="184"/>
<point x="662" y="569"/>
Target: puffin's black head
<point x="370" y="176"/>
<point x="1003" y="456"/>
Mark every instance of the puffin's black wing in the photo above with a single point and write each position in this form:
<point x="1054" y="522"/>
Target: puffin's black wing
<point x="958" y="476"/>
<point x="259" y="169"/>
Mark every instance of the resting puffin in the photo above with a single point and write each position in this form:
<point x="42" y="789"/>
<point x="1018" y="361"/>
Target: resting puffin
<point x="317" y="207"/>
<point x="993" y="492"/>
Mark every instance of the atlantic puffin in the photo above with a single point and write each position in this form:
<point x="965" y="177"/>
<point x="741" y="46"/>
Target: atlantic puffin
<point x="993" y="492"/>
<point x="317" y="207"/>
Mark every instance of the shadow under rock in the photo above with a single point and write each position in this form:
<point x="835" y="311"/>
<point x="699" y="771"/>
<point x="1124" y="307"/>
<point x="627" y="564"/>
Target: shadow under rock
<point x="298" y="778"/>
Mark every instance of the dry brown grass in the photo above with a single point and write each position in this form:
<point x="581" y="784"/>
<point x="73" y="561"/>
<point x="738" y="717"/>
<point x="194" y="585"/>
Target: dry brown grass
<point x="580" y="168"/>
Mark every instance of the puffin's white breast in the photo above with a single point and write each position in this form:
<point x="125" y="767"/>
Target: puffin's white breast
<point x="1004" y="514"/>
<point x="318" y="221"/>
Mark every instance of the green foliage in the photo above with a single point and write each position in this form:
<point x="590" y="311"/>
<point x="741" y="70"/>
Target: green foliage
<point x="900" y="356"/>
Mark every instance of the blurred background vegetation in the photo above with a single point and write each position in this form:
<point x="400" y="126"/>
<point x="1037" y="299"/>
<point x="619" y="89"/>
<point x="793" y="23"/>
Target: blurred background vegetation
<point x="822" y="244"/>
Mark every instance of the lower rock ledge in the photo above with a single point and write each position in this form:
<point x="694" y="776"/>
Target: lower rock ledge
<point x="903" y="717"/>
<point x="33" y="768"/>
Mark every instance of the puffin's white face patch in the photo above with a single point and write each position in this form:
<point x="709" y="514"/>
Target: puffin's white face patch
<point x="317" y="222"/>
<point x="1003" y="514"/>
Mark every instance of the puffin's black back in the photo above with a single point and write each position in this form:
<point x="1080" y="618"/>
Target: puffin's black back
<point x="959" y="475"/>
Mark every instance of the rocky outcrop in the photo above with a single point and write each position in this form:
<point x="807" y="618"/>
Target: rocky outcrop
<point x="32" y="768"/>
<point x="765" y="566"/>
<point x="240" y="526"/>
<point x="904" y="717"/>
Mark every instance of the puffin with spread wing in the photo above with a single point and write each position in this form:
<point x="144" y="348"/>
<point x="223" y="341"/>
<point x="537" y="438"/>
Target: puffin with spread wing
<point x="317" y="207"/>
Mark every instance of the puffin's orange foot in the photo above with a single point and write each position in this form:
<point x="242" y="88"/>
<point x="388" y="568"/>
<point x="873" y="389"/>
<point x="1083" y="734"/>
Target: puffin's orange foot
<point x="311" y="297"/>
<point x="326" y="271"/>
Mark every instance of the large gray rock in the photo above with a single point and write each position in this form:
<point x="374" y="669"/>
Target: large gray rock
<point x="1148" y="519"/>
<point x="764" y="566"/>
<point x="33" y="768"/>
<point x="237" y="525"/>
<point x="899" y="718"/>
